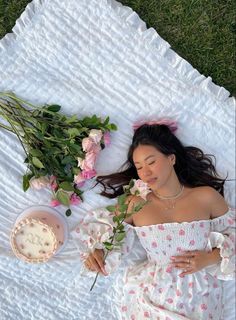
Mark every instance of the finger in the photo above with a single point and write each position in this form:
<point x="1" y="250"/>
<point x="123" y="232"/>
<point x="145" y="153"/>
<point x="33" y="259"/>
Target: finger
<point x="182" y="265"/>
<point x="180" y="259"/>
<point x="97" y="267"/>
<point x="185" y="273"/>
<point x="190" y="253"/>
<point x="98" y="256"/>
<point x="93" y="266"/>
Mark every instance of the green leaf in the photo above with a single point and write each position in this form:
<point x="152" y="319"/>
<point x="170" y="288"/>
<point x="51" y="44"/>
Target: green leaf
<point x="131" y="183"/>
<point x="36" y="153"/>
<point x="106" y="121"/>
<point x="44" y="127"/>
<point x="39" y="135"/>
<point x="67" y="159"/>
<point x="108" y="245"/>
<point x="54" y="108"/>
<point x="75" y="148"/>
<point x="121" y="227"/>
<point x="115" y="219"/>
<point x="76" y="170"/>
<point x="113" y="127"/>
<point x="57" y="133"/>
<point x="72" y="119"/>
<point x="26" y="179"/>
<point x="111" y="208"/>
<point x="123" y="207"/>
<point x="68" y="212"/>
<point x="121" y="199"/>
<point x="73" y="132"/>
<point x="139" y="206"/>
<point x="120" y="236"/>
<point x="121" y="215"/>
<point x="67" y="186"/>
<point x="63" y="197"/>
<point x="37" y="163"/>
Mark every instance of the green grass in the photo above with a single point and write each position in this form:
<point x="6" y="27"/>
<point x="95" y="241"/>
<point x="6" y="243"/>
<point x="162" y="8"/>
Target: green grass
<point x="201" y="31"/>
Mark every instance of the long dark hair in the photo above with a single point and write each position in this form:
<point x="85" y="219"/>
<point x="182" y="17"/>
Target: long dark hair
<point x="192" y="166"/>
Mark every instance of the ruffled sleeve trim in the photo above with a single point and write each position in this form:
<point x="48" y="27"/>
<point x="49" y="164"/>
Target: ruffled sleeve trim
<point x="222" y="236"/>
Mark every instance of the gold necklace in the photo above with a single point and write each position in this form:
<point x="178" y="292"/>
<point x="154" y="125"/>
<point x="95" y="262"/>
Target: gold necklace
<point x="169" y="201"/>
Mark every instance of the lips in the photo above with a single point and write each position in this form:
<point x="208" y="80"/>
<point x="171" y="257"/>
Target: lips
<point x="152" y="181"/>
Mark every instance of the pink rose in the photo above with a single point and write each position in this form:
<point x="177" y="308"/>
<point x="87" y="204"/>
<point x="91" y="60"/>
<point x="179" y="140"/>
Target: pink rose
<point x="39" y="183"/>
<point x="107" y="138"/>
<point x="89" y="174"/>
<point x="79" y="178"/>
<point x="95" y="135"/>
<point x="80" y="185"/>
<point x="55" y="203"/>
<point x="74" y="199"/>
<point x="140" y="189"/>
<point x="88" y="144"/>
<point x="89" y="162"/>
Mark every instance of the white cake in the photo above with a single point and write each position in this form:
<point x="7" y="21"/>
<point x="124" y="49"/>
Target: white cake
<point x="38" y="234"/>
<point x="33" y="241"/>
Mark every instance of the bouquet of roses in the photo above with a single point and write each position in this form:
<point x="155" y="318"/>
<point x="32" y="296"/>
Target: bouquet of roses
<point x="60" y="150"/>
<point x="135" y="188"/>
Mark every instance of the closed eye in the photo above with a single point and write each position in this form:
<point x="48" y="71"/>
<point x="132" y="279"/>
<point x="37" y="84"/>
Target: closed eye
<point x="150" y="163"/>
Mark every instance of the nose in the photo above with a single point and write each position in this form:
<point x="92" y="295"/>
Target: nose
<point x="146" y="172"/>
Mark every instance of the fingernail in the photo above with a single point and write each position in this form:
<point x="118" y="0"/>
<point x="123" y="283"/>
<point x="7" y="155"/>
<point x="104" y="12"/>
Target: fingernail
<point x="104" y="271"/>
<point x="172" y="258"/>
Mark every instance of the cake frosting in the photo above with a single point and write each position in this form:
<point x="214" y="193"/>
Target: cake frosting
<point x="37" y="236"/>
<point x="33" y="241"/>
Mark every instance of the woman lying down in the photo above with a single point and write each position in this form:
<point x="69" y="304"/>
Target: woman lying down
<point x="186" y="229"/>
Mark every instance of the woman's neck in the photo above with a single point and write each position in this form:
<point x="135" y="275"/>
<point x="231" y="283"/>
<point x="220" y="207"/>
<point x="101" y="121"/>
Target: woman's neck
<point x="171" y="188"/>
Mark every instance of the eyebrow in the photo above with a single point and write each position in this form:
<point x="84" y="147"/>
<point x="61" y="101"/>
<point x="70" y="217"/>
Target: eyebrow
<point x="146" y="158"/>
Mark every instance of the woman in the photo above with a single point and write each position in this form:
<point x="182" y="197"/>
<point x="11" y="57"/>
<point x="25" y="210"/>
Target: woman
<point x="185" y="217"/>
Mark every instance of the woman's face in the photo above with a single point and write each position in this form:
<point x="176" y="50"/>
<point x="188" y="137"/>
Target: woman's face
<point x="153" y="167"/>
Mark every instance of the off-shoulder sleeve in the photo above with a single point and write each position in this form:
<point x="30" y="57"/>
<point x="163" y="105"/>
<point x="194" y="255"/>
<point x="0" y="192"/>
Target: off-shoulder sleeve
<point x="222" y="236"/>
<point x="93" y="230"/>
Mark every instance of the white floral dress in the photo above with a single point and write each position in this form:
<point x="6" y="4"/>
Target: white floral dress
<point x="153" y="289"/>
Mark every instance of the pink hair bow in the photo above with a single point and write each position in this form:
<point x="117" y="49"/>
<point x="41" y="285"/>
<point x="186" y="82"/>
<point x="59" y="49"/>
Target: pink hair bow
<point x="169" y="123"/>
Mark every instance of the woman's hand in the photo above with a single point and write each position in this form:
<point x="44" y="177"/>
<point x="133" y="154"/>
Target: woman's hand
<point x="193" y="261"/>
<point x="95" y="262"/>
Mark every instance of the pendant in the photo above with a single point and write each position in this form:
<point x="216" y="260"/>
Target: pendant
<point x="170" y="205"/>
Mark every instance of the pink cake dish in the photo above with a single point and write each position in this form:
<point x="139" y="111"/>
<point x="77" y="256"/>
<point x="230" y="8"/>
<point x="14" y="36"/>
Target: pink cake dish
<point x="39" y="233"/>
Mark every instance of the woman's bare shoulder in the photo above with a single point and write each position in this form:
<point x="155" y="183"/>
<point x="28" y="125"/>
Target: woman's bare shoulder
<point x="212" y="199"/>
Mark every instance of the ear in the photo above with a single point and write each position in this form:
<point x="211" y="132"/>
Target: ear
<point x="172" y="159"/>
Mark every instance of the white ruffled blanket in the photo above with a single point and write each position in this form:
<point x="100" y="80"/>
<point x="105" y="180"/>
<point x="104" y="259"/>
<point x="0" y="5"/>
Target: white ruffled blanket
<point x="96" y="56"/>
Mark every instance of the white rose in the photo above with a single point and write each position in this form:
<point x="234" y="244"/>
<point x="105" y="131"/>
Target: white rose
<point x="39" y="183"/>
<point x="140" y="189"/>
<point x="96" y="135"/>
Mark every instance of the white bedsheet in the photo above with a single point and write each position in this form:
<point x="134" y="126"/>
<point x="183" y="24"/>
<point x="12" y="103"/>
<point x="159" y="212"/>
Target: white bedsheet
<point x="95" y="56"/>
